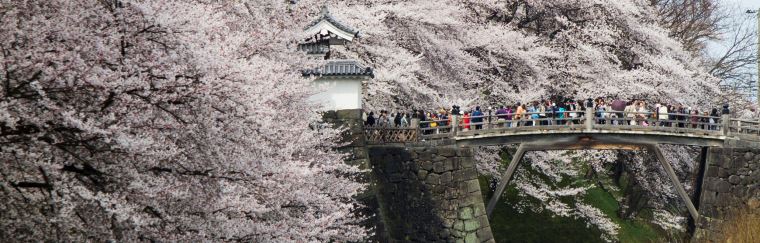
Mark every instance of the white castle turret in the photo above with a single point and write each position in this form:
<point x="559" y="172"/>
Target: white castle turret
<point x="341" y="78"/>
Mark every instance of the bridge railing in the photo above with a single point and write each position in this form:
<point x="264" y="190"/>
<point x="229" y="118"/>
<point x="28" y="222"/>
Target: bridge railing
<point x="744" y="127"/>
<point x="436" y="128"/>
<point x="381" y="135"/>
<point x="524" y="121"/>
<point x="568" y="121"/>
<point x="661" y="122"/>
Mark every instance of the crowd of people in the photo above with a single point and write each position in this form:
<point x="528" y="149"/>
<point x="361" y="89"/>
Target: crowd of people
<point x="557" y="112"/>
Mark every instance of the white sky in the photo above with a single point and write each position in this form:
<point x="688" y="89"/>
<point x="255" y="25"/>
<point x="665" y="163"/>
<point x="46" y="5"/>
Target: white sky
<point x="748" y="4"/>
<point x="740" y="6"/>
<point x="740" y="10"/>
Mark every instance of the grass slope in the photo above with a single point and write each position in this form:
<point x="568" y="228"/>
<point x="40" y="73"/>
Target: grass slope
<point x="510" y="225"/>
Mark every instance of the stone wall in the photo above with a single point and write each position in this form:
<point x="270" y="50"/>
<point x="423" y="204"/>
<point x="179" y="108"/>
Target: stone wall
<point x="429" y="194"/>
<point x="731" y="183"/>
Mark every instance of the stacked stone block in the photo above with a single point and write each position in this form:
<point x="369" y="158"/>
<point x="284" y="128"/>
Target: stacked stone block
<point x="731" y="184"/>
<point x="429" y="194"/>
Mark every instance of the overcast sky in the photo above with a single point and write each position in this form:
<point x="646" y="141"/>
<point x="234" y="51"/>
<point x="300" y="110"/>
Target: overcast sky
<point x="748" y="4"/>
<point x="741" y="7"/>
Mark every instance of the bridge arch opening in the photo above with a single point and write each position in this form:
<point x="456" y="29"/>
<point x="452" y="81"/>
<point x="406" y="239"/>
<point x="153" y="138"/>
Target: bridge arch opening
<point x="656" y="153"/>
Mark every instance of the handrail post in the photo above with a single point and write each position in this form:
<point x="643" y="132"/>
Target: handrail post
<point x="489" y="122"/>
<point x="725" y="121"/>
<point x="688" y="122"/>
<point x="415" y="124"/>
<point x="454" y="125"/>
<point x="589" y="119"/>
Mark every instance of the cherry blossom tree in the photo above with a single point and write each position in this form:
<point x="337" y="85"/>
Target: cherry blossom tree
<point x="429" y="54"/>
<point x="164" y="120"/>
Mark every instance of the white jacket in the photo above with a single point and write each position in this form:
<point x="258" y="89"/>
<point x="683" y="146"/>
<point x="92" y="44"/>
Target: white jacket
<point x="663" y="112"/>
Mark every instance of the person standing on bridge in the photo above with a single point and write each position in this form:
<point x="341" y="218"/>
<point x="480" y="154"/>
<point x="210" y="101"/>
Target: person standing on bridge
<point x="477" y="118"/>
<point x="423" y="118"/>
<point x="501" y="115"/>
<point x="662" y="114"/>
<point x="433" y="122"/>
<point x="571" y="106"/>
<point x="371" y="119"/>
<point x="600" y="110"/>
<point x="560" y="114"/>
<point x="641" y="114"/>
<point x="534" y="113"/>
<point x="543" y="108"/>
<point x="466" y="121"/>
<point x="508" y="117"/>
<point x="382" y="120"/>
<point x="681" y="115"/>
<point x="694" y="118"/>
<point x="519" y="115"/>
<point x="630" y="113"/>
<point x="446" y="120"/>
<point x="551" y="114"/>
<point x="714" y="115"/>
<point x="704" y="120"/>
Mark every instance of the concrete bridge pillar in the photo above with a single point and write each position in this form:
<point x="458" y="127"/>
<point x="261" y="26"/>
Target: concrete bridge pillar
<point x="429" y="194"/>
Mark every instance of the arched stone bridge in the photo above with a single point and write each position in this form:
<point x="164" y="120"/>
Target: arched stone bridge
<point x="426" y="170"/>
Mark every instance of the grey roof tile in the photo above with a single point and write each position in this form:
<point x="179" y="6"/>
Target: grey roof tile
<point x="340" y="68"/>
<point x="325" y="15"/>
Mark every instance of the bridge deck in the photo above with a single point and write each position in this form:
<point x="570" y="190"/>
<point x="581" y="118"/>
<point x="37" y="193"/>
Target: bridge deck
<point x="588" y="128"/>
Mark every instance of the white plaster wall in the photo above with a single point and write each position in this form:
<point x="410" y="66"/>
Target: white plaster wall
<point x="338" y="94"/>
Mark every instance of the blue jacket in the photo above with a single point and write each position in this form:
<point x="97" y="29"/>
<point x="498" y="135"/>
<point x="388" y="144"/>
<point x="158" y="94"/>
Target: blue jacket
<point x="477" y="119"/>
<point x="533" y="109"/>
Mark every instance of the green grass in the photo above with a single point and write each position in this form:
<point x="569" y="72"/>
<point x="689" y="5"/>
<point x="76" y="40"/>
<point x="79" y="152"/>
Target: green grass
<point x="630" y="230"/>
<point x="509" y="225"/>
